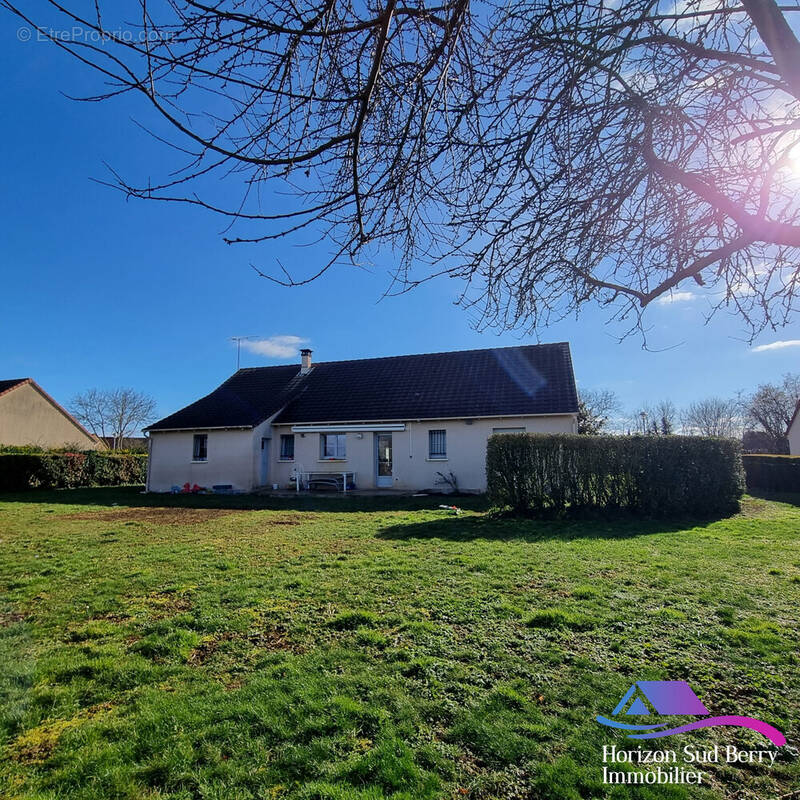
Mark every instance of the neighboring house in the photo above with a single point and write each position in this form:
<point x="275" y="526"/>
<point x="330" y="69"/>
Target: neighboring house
<point x="793" y="433"/>
<point x="760" y="442"/>
<point x="395" y="422"/>
<point x="29" y="416"/>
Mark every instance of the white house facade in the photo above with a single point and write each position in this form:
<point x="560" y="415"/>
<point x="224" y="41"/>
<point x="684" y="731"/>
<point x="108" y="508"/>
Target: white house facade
<point x="404" y="422"/>
<point x="793" y="434"/>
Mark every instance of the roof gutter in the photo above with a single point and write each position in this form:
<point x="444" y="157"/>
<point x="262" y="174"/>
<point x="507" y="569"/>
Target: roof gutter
<point x="202" y="428"/>
<point x="361" y="425"/>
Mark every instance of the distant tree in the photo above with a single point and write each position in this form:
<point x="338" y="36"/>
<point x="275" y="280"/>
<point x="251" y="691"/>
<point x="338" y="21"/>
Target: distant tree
<point x="639" y="422"/>
<point x="664" y="418"/>
<point x="762" y="442"/>
<point x="713" y="416"/>
<point x="658" y="420"/>
<point x="92" y="410"/>
<point x="595" y="409"/>
<point x="116" y="413"/>
<point x="547" y="154"/>
<point x="771" y="406"/>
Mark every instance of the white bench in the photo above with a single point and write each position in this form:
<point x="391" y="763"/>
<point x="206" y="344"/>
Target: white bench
<point x="340" y="481"/>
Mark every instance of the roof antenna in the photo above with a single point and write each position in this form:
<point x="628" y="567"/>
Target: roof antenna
<point x="239" y="340"/>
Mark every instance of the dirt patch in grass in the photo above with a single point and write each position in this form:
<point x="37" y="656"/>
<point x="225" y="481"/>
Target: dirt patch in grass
<point x="179" y="516"/>
<point x="208" y="647"/>
<point x="37" y="744"/>
<point x="158" y="516"/>
<point x="9" y="618"/>
<point x="260" y="639"/>
<point x="753" y="506"/>
<point x="291" y="519"/>
<point x="163" y="604"/>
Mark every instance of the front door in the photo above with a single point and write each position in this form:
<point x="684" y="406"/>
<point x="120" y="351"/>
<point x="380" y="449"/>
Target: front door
<point x="383" y="450"/>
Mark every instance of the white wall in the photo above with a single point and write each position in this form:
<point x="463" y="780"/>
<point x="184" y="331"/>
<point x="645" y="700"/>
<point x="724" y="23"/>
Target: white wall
<point x="231" y="459"/>
<point x="234" y="456"/>
<point x="794" y="436"/>
<point x="466" y="452"/>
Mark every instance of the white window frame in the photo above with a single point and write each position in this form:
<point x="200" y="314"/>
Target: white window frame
<point x="340" y="447"/>
<point x="508" y="430"/>
<point x="196" y="459"/>
<point x="286" y="437"/>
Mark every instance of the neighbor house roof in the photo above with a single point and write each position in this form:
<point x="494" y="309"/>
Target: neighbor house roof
<point x="6" y="386"/>
<point x="13" y="383"/>
<point x="498" y="382"/>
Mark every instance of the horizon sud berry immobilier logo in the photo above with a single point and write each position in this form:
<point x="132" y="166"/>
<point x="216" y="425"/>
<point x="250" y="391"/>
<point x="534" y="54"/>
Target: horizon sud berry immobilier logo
<point x="675" y="699"/>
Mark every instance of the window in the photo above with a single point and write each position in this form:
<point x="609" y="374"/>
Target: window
<point x="508" y="430"/>
<point x="287" y="447"/>
<point x="437" y="444"/>
<point x="200" y="449"/>
<point x="331" y="445"/>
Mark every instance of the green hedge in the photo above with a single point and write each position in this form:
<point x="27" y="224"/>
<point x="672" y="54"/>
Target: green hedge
<point x="651" y="475"/>
<point x="772" y="473"/>
<point x="69" y="470"/>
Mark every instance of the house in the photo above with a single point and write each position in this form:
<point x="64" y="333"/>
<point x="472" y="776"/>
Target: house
<point x="398" y="422"/>
<point x="793" y="432"/>
<point x="29" y="416"/>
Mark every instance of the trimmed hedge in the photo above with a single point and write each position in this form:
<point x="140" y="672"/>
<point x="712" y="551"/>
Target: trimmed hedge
<point x="651" y="475"/>
<point x="69" y="470"/>
<point x="772" y="473"/>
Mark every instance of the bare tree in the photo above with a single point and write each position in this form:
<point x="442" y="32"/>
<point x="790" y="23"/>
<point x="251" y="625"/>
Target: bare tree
<point x="714" y="416"/>
<point x="664" y="418"/>
<point x="658" y="420"/>
<point x="116" y="413"/>
<point x="92" y="410"/>
<point x="595" y="410"/>
<point x="546" y="154"/>
<point x="771" y="406"/>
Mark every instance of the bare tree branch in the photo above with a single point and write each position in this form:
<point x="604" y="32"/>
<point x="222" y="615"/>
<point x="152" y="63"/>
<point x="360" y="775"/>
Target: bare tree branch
<point x="544" y="154"/>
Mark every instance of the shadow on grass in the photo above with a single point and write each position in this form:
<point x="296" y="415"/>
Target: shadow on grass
<point x="791" y="498"/>
<point x="135" y="497"/>
<point x="508" y="528"/>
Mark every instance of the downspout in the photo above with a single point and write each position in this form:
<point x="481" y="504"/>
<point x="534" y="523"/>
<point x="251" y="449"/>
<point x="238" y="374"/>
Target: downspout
<point x="149" y="461"/>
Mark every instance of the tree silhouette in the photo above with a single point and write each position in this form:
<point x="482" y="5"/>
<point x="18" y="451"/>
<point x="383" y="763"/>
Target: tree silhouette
<point x="546" y="154"/>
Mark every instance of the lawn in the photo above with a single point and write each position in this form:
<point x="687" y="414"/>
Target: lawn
<point x="353" y="649"/>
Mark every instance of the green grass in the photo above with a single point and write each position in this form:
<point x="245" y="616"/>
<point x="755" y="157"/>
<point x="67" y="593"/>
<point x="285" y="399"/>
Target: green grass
<point x="364" y="649"/>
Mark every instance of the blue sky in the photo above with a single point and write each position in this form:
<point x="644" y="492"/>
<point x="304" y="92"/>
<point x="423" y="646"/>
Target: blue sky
<point x="100" y="291"/>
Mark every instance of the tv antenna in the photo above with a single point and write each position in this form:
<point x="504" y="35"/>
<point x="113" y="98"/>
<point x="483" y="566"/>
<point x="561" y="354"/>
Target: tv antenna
<point x="239" y="340"/>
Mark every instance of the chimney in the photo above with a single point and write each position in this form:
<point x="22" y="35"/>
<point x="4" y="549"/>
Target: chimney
<point x="305" y="361"/>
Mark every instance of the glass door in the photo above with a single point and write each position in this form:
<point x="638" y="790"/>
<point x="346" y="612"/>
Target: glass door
<point x="383" y="450"/>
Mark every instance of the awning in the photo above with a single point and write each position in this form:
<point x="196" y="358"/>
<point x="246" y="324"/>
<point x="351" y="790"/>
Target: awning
<point x="378" y="427"/>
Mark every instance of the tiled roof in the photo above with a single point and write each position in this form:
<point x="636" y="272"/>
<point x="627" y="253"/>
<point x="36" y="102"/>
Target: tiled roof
<point x="11" y="384"/>
<point x="248" y="397"/>
<point x="509" y="381"/>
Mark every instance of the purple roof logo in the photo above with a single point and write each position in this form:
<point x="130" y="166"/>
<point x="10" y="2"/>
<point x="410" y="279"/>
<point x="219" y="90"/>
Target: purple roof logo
<point x="668" y="698"/>
<point x="675" y="699"/>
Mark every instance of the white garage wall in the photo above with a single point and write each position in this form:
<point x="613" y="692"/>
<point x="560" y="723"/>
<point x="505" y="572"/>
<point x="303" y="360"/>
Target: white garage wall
<point x="794" y="437"/>
<point x="230" y="459"/>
